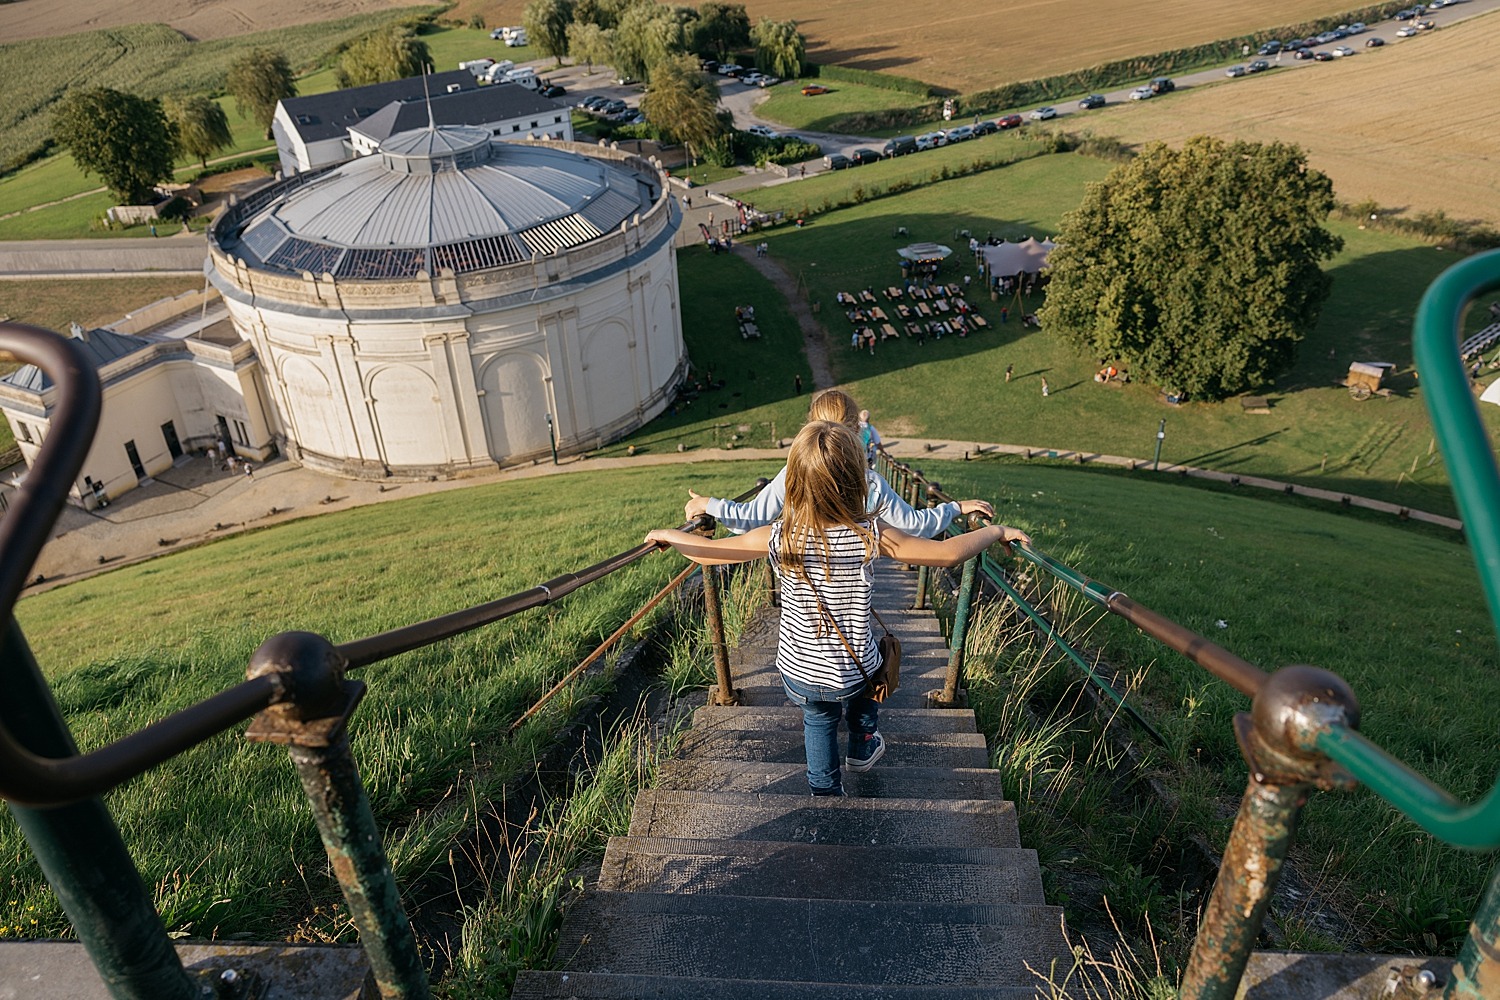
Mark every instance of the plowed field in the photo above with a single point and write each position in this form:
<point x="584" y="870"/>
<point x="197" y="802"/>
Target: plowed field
<point x="194" y="18"/>
<point x="1414" y="126"/>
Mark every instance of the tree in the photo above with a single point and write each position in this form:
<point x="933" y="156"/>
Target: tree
<point x="589" y="44"/>
<point x="779" y="48"/>
<point x="683" y="102"/>
<point x="649" y="34"/>
<point x="546" y="23"/>
<point x="393" y="53"/>
<point x="202" y="127"/>
<point x="1197" y="268"/>
<point x="125" y="139"/>
<point x="721" y="28"/>
<point x="258" y="80"/>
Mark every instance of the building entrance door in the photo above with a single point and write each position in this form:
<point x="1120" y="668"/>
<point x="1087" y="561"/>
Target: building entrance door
<point x="169" y="431"/>
<point x="135" y="460"/>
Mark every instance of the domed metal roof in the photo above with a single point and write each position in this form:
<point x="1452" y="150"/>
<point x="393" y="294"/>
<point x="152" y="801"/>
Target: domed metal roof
<point x="433" y="198"/>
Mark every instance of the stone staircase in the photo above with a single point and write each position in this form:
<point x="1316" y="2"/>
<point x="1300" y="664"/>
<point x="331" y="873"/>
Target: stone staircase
<point x="733" y="882"/>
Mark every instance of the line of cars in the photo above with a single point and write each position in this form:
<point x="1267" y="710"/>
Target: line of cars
<point x="750" y="77"/>
<point x="610" y="109"/>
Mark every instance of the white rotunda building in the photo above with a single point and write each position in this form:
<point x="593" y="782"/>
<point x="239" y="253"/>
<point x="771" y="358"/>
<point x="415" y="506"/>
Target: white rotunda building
<point x="454" y="303"/>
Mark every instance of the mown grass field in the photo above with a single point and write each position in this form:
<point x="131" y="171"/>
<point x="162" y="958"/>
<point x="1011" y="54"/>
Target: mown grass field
<point x="1357" y="119"/>
<point x="955" y="389"/>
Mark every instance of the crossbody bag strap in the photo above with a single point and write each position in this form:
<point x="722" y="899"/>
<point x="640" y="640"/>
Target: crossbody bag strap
<point x="883" y="627"/>
<point x="838" y="631"/>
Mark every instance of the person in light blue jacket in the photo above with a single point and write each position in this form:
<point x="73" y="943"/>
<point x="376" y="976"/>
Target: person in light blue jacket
<point x="836" y="406"/>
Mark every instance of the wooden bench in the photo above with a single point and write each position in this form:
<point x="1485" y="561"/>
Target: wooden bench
<point x="748" y="330"/>
<point x="1480" y="342"/>
<point x="980" y="323"/>
<point x="1255" y="404"/>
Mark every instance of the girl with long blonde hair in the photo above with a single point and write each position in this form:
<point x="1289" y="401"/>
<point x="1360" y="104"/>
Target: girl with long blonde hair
<point x="822" y="550"/>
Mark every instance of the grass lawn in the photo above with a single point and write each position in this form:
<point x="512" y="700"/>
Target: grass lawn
<point x="1278" y="585"/>
<point x="223" y="833"/>
<point x="954" y="388"/>
<point x="788" y="106"/>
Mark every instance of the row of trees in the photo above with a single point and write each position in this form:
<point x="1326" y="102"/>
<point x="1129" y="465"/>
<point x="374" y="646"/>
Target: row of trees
<point x="638" y="36"/>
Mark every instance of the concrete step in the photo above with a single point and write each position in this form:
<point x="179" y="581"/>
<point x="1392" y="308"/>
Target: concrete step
<point x="763" y="688"/>
<point x="789" y="718"/>
<point x="816" y="941"/>
<point x="910" y="750"/>
<point x="808" y="820"/>
<point x="881" y="782"/>
<point x="603" y="986"/>
<point x="821" y="871"/>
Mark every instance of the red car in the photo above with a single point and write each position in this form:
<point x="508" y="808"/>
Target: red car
<point x="1008" y="121"/>
<point x="814" y="88"/>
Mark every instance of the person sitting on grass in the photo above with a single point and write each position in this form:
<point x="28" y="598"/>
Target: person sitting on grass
<point x="821" y="551"/>
<point x="836" y="406"/>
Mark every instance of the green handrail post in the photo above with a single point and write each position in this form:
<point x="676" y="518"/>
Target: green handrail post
<point x="1279" y="741"/>
<point x="924" y="573"/>
<point x="1476" y="976"/>
<point x="949" y="696"/>
<point x="312" y="722"/>
<point x="80" y="851"/>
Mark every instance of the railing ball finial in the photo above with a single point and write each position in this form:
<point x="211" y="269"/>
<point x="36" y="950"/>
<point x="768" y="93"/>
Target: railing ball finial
<point x="1294" y="706"/>
<point x="309" y="668"/>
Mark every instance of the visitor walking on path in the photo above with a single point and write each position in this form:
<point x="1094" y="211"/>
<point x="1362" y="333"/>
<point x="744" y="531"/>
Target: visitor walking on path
<point x="1045" y="390"/>
<point x="868" y="436"/>
<point x="821" y="551"/>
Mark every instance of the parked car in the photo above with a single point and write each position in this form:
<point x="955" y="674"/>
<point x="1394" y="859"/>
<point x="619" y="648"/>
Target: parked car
<point x="552" y="90"/>
<point x="1343" y="50"/>
<point x="932" y="140"/>
<point x="814" y="88"/>
<point x="1142" y="94"/>
<point x="962" y="133"/>
<point x="1162" y="85"/>
<point x="1092" y="101"/>
<point x="1236" y="71"/>
<point x="1323" y="55"/>
<point x="1406" y="31"/>
<point x="1374" y="42"/>
<point x="837" y="161"/>
<point x="517" y="40"/>
<point x="900" y="146"/>
<point x="591" y="102"/>
<point x="1042" y="114"/>
<point x="1326" y="37"/>
<point x="1303" y="54"/>
<point x="750" y="78"/>
<point x="1425" y="25"/>
<point x="764" y="131"/>
<point x="1356" y="28"/>
<point x="862" y="155"/>
<point x="1008" y="121"/>
<point x="985" y="127"/>
<point x="1269" y="49"/>
<point x="767" y="81"/>
<point x="1408" y="13"/>
<point x="1258" y="66"/>
<point x="729" y="69"/>
<point x="709" y="65"/>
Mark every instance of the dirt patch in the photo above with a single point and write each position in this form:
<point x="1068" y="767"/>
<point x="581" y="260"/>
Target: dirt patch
<point x="197" y="19"/>
<point x="1402" y="125"/>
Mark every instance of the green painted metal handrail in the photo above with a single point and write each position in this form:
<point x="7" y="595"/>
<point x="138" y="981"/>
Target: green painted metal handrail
<point x="1476" y="488"/>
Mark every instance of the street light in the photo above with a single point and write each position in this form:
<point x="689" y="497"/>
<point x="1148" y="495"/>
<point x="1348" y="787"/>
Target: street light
<point x="1161" y="432"/>
<point x="552" y="438"/>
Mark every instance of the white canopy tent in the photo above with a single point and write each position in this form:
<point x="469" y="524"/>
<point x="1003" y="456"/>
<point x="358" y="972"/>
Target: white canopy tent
<point x="1491" y="393"/>
<point x="1010" y="258"/>
<point x="925" y="252"/>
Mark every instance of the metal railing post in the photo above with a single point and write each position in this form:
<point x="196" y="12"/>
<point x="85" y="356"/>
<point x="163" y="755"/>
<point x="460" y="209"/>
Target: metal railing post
<point x="1278" y="739"/>
<point x="949" y="696"/>
<point x="1476" y="975"/>
<point x="924" y="573"/>
<point x="723" y="692"/>
<point x="81" y="852"/>
<point x="312" y="721"/>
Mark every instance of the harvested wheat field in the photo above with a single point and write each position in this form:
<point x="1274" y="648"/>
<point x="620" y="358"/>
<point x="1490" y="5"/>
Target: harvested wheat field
<point x="1415" y="126"/>
<point x="198" y="19"/>
<point x="968" y="47"/>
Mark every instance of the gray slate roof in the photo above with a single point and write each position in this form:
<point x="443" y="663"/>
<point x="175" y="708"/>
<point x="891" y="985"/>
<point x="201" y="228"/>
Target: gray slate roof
<point x="329" y="116"/>
<point x="101" y="348"/>
<point x="493" y="103"/>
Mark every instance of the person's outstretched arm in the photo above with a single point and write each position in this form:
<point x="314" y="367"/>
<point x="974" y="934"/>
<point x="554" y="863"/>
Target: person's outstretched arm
<point x="741" y="517"/>
<point x="928" y="522"/>
<point x="715" y="551"/>
<point x="950" y="551"/>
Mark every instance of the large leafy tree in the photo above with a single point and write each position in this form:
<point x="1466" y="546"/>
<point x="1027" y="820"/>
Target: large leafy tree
<point x="1199" y="268"/>
<point x="650" y="34"/>
<point x="393" y="53"/>
<point x="258" y="80"/>
<point x="589" y="44"/>
<point x="721" y="28"/>
<point x="125" y="139"/>
<point x="604" y="13"/>
<point x="683" y="102"/>
<point x="201" y="126"/>
<point x="546" y="23"/>
<point x="780" y="48"/>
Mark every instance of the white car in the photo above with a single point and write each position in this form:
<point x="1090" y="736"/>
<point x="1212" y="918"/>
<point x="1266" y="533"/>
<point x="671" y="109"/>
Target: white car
<point x="1236" y="71"/>
<point x="751" y="78"/>
<point x="764" y="131"/>
<point x="1343" y="50"/>
<point x="1405" y="31"/>
<point x="961" y="133"/>
<point x="1142" y="94"/>
<point x="768" y="81"/>
<point x="728" y="69"/>
<point x="1042" y="114"/>
<point x="932" y="140"/>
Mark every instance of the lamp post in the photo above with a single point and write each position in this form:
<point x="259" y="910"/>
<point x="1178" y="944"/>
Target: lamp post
<point x="1161" y="432"/>
<point x="552" y="438"/>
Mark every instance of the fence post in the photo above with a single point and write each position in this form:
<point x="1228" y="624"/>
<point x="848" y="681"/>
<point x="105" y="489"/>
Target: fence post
<point x="1278" y="739"/>
<point x="312" y="721"/>
<point x="80" y="851"/>
<point x="924" y="573"/>
<point x="1477" y="972"/>
<point x="723" y="692"/>
<point x="949" y="696"/>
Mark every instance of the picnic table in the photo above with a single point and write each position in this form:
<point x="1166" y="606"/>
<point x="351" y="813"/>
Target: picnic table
<point x="845" y="299"/>
<point x="942" y="305"/>
<point x="904" y="311"/>
<point x="879" y="314"/>
<point x="924" y="309"/>
<point x="893" y="293"/>
<point x="980" y="323"/>
<point x="887" y="331"/>
<point x="918" y="293"/>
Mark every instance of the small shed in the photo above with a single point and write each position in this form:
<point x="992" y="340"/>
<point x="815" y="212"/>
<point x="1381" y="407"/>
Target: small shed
<point x="1365" y="378"/>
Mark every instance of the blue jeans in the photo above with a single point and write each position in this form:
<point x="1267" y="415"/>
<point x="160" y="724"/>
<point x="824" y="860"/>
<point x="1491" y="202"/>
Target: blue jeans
<point x="821" y="710"/>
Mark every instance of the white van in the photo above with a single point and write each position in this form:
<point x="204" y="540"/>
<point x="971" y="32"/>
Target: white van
<point x="932" y="140"/>
<point x="525" y="76"/>
<point x="517" y="38"/>
<point x="477" y="67"/>
<point x="497" y="71"/>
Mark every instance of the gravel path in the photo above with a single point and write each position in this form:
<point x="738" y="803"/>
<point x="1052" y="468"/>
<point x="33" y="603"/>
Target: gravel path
<point x="813" y="339"/>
